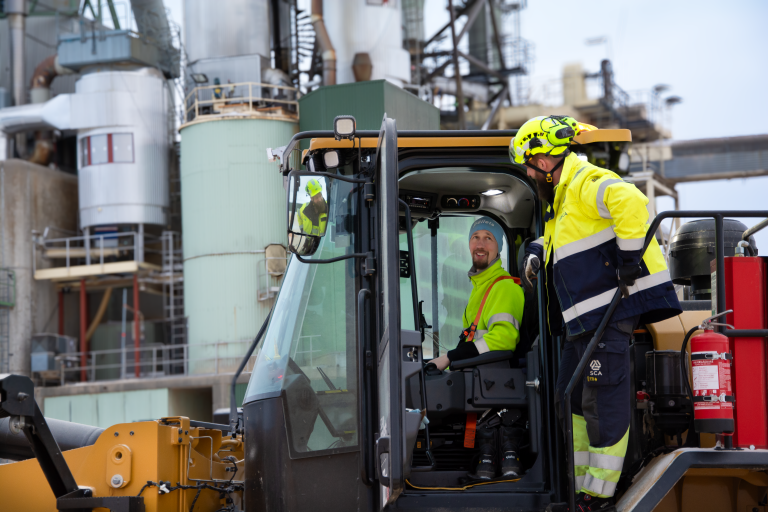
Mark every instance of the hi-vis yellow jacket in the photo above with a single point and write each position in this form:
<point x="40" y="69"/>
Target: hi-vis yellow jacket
<point x="598" y="223"/>
<point x="312" y="222"/>
<point x="499" y="324"/>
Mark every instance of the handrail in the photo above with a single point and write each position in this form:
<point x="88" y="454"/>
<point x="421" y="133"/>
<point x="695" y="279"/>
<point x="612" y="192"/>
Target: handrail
<point x="241" y="94"/>
<point x="74" y="246"/>
<point x="718" y="215"/>
<point x="164" y="361"/>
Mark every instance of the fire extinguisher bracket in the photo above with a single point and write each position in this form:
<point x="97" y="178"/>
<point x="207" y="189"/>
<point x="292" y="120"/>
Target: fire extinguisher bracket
<point x="712" y="357"/>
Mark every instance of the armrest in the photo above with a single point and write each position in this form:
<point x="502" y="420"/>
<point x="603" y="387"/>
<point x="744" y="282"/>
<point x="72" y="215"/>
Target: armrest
<point x="493" y="356"/>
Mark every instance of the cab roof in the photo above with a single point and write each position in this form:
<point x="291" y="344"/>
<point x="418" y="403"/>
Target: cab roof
<point x="586" y="137"/>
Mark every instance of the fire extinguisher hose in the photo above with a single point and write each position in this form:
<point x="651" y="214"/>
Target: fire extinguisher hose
<point x="683" y="360"/>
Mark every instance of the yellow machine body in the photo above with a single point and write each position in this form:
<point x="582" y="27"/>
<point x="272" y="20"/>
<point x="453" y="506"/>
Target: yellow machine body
<point x="127" y="456"/>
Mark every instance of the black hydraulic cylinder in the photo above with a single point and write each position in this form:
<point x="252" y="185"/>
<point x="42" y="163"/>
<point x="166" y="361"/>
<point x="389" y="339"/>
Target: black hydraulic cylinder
<point x="68" y="436"/>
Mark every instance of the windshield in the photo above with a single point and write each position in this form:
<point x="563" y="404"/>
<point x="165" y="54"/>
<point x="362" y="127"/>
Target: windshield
<point x="308" y="352"/>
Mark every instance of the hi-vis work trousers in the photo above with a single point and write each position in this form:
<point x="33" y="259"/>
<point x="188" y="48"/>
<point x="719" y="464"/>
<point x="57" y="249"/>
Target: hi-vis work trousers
<point x="601" y="407"/>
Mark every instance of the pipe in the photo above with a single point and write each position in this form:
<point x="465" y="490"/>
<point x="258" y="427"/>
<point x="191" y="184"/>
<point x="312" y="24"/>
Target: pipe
<point x="754" y="229"/>
<point x="45" y="72"/>
<point x="61" y="312"/>
<point x="68" y="436"/>
<point x="152" y="21"/>
<point x="83" y="329"/>
<point x="99" y="314"/>
<point x="495" y="108"/>
<point x="324" y="41"/>
<point x="136" y="327"/>
<point x="456" y="69"/>
<point x="53" y="114"/>
<point x="17" y="13"/>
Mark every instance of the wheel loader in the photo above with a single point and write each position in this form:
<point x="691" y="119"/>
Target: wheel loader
<point x="342" y="411"/>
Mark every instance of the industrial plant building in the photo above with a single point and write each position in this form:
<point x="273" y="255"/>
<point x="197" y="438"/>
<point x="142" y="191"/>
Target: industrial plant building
<point x="142" y="226"/>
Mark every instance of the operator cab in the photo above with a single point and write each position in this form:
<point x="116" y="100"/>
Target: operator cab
<point x="444" y="202"/>
<point x="341" y="382"/>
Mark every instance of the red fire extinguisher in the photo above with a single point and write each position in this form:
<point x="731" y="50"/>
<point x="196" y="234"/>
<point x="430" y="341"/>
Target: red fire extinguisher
<point x="712" y="396"/>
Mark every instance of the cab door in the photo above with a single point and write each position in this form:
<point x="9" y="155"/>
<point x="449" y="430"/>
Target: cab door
<point x="389" y="444"/>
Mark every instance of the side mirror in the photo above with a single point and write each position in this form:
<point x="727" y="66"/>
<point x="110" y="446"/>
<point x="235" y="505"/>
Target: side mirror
<point x="308" y="207"/>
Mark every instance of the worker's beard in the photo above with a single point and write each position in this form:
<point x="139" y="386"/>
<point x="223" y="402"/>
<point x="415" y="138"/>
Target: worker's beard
<point x="545" y="189"/>
<point x="481" y="262"/>
<point x="321" y="206"/>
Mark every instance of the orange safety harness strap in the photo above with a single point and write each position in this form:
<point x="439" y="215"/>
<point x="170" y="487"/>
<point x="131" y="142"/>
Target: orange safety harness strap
<point x="469" y="332"/>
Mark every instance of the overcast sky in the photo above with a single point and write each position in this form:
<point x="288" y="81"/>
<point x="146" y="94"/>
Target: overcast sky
<point x="711" y="53"/>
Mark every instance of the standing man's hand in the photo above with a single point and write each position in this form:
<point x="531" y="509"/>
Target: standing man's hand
<point x="531" y="265"/>
<point x="627" y="275"/>
<point x="442" y="362"/>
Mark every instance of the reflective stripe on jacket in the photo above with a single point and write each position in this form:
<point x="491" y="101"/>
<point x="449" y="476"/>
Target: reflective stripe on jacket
<point x="597" y="224"/>
<point x="499" y="324"/>
<point x="311" y="223"/>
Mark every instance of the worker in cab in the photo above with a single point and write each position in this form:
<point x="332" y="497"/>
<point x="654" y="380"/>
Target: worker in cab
<point x="595" y="227"/>
<point x="313" y="216"/>
<point x="491" y="322"/>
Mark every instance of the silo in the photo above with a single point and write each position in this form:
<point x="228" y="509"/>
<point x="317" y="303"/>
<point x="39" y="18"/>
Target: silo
<point x="123" y="154"/>
<point x="232" y="198"/>
<point x="233" y="207"/>
<point x="375" y="28"/>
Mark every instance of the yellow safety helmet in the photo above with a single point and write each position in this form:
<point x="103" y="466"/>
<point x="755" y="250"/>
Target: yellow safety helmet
<point x="313" y="187"/>
<point x="543" y="135"/>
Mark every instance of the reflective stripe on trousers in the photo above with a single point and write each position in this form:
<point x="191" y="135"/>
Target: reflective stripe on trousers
<point x="580" y="447"/>
<point x="604" y="469"/>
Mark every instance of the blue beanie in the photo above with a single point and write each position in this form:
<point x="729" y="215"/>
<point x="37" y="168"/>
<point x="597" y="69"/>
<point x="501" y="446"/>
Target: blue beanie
<point x="491" y="225"/>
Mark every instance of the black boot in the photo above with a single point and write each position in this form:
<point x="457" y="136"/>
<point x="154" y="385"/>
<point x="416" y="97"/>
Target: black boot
<point x="511" y="439"/>
<point x="587" y="503"/>
<point x="484" y="462"/>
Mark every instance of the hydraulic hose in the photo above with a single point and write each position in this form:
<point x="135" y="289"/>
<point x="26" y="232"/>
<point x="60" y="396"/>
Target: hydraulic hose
<point x="684" y="357"/>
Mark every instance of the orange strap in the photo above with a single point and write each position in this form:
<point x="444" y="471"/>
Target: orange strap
<point x="470" y="331"/>
<point x="469" y="431"/>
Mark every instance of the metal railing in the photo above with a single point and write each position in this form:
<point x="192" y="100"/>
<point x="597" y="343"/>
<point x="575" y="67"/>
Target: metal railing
<point x="86" y="249"/>
<point x="245" y="98"/>
<point x="215" y="358"/>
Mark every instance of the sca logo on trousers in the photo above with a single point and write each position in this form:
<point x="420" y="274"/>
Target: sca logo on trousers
<point x="594" y="366"/>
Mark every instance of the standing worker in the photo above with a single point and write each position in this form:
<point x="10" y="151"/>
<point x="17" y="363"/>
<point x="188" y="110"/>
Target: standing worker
<point x="313" y="216"/>
<point x="595" y="227"/>
<point x="491" y="322"/>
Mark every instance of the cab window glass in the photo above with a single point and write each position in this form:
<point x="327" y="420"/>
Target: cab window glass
<point x="308" y="353"/>
<point x="453" y="284"/>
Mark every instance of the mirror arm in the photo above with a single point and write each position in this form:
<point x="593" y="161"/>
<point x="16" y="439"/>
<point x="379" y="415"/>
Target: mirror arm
<point x="339" y="258"/>
<point x="327" y="175"/>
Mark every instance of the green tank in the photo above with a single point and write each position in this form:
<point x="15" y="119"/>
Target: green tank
<point x="233" y="207"/>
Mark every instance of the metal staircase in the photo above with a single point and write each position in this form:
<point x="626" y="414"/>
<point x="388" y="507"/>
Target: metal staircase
<point x="173" y="291"/>
<point x="7" y="301"/>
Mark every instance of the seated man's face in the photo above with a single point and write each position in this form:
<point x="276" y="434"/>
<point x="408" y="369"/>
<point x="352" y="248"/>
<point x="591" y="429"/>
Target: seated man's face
<point x="483" y="248"/>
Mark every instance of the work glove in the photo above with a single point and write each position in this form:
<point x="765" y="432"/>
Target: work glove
<point x="531" y="265"/>
<point x="627" y="275"/>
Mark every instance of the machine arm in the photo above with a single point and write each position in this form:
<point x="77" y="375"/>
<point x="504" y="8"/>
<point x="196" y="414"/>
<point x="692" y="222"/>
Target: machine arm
<point x="17" y="400"/>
